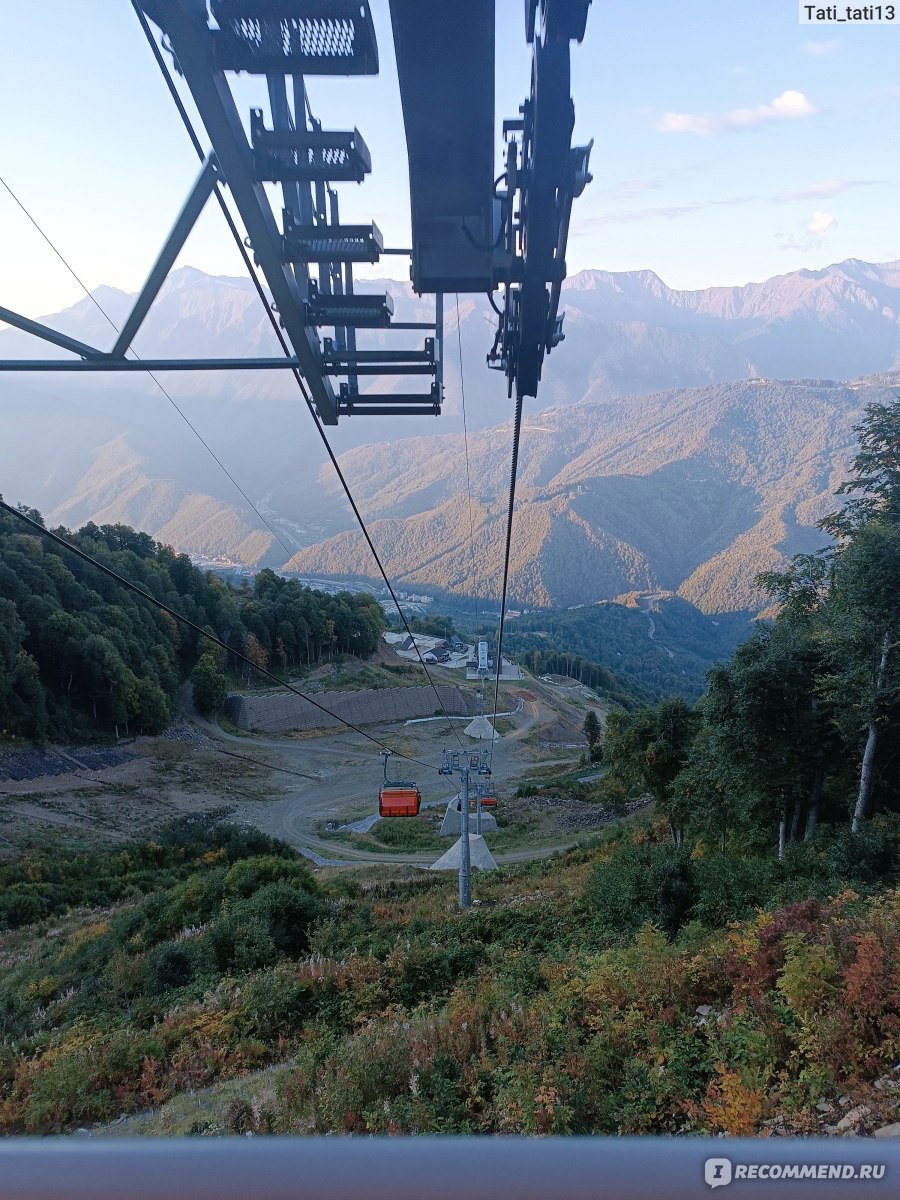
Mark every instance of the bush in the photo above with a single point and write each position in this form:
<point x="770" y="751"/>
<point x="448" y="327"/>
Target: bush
<point x="171" y="966"/>
<point x="18" y="909"/>
<point x="274" y="922"/>
<point x="729" y="888"/>
<point x="248" y="875"/>
<point x="643" y="883"/>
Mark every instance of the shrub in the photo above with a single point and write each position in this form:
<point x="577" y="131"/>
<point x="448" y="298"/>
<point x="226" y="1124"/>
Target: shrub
<point x="729" y="887"/>
<point x="276" y="920"/>
<point x="650" y="882"/>
<point x="171" y="966"/>
<point x="18" y="909"/>
<point x="248" y="875"/>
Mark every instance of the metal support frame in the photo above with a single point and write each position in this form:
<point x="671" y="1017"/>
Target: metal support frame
<point x="469" y="234"/>
<point x="187" y="219"/>
<point x="453" y="765"/>
<point x="544" y="173"/>
<point x="439" y="343"/>
<point x="95" y="359"/>
<point x="192" y="44"/>
<point x="518" y="236"/>
<point x="106" y="363"/>
<point x="46" y="334"/>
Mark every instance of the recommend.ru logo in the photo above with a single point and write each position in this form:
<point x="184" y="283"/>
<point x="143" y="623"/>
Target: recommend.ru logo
<point x="719" y="1171"/>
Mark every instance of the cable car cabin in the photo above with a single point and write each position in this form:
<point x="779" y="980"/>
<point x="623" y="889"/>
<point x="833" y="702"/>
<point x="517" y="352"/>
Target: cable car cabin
<point x="489" y="801"/>
<point x="399" y="800"/>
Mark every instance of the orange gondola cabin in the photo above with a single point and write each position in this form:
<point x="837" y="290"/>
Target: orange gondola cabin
<point x="398" y="798"/>
<point x="487" y="801"/>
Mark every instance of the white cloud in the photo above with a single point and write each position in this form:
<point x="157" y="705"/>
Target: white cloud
<point x="824" y="190"/>
<point x="813" y="234"/>
<point x="789" y="106"/>
<point x="820" y="49"/>
<point x="821" y="223"/>
<point x="630" y="216"/>
<point x="628" y="188"/>
<point x="684" y="123"/>
<point x="668" y="212"/>
<point x="829" y="187"/>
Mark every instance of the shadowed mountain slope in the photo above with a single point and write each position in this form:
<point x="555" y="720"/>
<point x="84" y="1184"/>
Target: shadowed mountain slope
<point x="694" y="492"/>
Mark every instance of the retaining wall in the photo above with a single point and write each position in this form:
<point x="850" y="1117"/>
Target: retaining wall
<point x="281" y="713"/>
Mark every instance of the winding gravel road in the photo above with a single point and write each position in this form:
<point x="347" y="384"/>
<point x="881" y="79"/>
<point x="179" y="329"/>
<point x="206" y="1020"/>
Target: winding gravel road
<point x="347" y="770"/>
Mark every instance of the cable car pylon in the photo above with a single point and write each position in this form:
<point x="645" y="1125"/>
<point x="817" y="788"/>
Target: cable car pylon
<point x="465" y="766"/>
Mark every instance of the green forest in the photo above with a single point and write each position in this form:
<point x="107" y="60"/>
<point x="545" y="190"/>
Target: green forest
<point x="596" y="641"/>
<point x="82" y="657"/>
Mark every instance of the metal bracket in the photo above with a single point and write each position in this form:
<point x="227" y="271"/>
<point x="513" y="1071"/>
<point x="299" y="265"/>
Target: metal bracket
<point x="187" y="219"/>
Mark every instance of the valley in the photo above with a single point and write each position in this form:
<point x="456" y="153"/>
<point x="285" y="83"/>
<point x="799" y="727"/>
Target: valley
<point x="658" y="463"/>
<point x="292" y="787"/>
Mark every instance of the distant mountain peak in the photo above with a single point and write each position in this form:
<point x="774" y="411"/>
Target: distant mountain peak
<point x="591" y="279"/>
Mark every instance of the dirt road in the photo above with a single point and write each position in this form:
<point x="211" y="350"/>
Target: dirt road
<point x="288" y="786"/>
<point x="347" y="772"/>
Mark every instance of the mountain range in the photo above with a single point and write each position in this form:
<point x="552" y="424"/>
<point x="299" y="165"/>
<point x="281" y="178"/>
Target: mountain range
<point x="666" y="448"/>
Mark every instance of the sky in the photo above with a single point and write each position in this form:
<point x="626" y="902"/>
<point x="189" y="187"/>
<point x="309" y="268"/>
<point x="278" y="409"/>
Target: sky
<point x="731" y="143"/>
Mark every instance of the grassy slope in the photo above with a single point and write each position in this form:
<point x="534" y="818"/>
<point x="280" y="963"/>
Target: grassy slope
<point x="558" y="1004"/>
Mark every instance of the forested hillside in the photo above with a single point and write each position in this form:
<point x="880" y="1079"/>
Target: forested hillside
<point x="83" y="657"/>
<point x="803" y="723"/>
<point x="727" y="963"/>
<point x="657" y="645"/>
<point x="694" y="492"/>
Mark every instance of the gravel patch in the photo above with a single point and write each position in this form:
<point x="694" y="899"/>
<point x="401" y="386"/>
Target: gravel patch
<point x="184" y="731"/>
<point x="569" y="815"/>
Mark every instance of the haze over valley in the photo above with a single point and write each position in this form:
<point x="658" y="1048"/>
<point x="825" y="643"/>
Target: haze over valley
<point x="667" y="449"/>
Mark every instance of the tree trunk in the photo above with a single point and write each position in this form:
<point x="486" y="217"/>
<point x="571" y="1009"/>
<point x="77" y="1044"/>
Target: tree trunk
<point x="868" y="763"/>
<point x="812" y="813"/>
<point x="782" y="829"/>
<point x="795" y="823"/>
